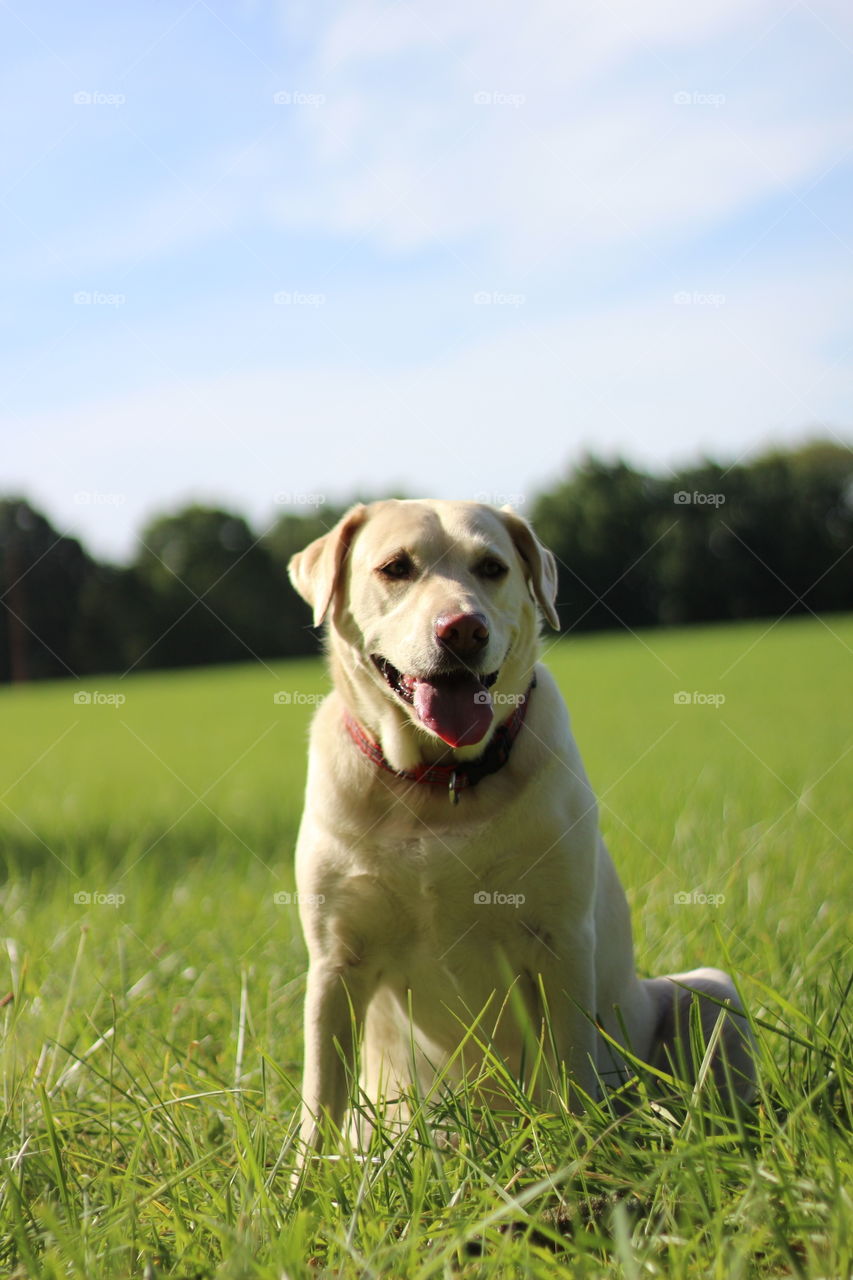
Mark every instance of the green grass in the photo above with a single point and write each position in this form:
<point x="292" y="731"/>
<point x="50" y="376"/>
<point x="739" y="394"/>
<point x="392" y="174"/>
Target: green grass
<point x="152" y="1047"/>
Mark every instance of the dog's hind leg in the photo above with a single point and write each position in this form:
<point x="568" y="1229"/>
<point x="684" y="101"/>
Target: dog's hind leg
<point x="672" y="1048"/>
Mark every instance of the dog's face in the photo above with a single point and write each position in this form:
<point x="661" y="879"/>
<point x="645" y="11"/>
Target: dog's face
<point x="437" y="603"/>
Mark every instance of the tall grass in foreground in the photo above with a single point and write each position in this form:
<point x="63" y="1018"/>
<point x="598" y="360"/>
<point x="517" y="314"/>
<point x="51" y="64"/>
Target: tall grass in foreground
<point x="151" y="1027"/>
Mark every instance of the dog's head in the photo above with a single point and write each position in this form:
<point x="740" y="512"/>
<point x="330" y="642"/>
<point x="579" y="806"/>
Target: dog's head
<point x="437" y="604"/>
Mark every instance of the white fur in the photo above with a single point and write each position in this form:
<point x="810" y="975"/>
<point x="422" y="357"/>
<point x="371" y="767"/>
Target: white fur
<point x="388" y="870"/>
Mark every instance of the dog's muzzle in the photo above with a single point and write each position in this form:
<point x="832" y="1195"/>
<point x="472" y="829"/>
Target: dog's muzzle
<point x="455" y="704"/>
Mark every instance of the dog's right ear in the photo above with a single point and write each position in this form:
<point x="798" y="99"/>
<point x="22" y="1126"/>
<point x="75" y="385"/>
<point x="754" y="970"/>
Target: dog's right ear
<point x="316" y="571"/>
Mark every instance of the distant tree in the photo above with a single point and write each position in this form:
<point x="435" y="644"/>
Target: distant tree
<point x="762" y="538"/>
<point x="702" y="571"/>
<point x="757" y="539"/>
<point x="213" y="592"/>
<point x="111" y="627"/>
<point x="601" y="522"/>
<point x="42" y="576"/>
<point x="813" y="491"/>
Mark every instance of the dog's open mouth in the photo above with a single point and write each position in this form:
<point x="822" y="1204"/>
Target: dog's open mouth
<point x="455" y="705"/>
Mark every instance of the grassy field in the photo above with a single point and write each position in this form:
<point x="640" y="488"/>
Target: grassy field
<point x="152" y="985"/>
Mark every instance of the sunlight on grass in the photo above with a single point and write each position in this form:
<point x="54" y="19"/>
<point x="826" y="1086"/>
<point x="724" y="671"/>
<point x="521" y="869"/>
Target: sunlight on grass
<point x="154" y="972"/>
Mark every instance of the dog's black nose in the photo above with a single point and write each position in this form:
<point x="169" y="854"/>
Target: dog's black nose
<point x="462" y="633"/>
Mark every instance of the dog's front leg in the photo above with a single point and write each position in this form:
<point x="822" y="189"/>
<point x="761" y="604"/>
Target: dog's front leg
<point x="570" y="999"/>
<point x="335" y="1003"/>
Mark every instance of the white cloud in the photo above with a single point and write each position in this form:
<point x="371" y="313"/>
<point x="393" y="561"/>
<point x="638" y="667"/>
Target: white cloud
<point x="595" y="157"/>
<point x="580" y="143"/>
<point x="658" y="381"/>
<point x="545" y="39"/>
<point x="597" y="195"/>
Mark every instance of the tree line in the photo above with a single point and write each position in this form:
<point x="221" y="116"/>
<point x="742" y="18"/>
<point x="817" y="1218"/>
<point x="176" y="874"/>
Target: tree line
<point x="712" y="543"/>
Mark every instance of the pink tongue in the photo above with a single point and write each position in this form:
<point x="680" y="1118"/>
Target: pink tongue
<point x="459" y="711"/>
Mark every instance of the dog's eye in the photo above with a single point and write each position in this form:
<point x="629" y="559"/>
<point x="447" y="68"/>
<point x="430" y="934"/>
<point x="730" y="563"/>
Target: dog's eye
<point x="397" y="569"/>
<point x="491" y="568"/>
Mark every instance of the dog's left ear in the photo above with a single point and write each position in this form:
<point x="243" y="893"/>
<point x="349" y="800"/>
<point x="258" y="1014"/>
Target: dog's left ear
<point x="540" y="562"/>
<point x="316" y="571"/>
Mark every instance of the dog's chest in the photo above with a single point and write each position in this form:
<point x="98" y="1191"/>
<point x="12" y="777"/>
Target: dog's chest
<point x="454" y="943"/>
<point x="447" y="905"/>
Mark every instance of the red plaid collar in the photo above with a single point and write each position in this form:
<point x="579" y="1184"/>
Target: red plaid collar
<point x="456" y="777"/>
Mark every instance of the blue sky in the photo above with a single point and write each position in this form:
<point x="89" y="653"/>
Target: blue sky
<point x="260" y="252"/>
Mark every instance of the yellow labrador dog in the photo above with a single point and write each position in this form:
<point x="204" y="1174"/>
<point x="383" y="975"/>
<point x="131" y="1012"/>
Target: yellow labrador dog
<point x="450" y="868"/>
